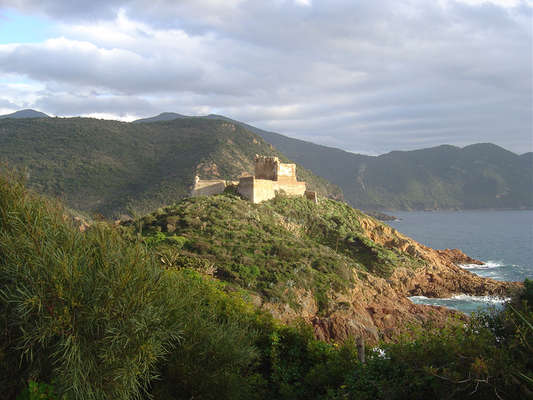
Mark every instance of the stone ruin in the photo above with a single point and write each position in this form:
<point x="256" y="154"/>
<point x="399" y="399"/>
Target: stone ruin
<point x="271" y="176"/>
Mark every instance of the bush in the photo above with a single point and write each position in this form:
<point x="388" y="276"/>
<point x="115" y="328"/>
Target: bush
<point x="217" y="355"/>
<point x="90" y="311"/>
<point x="97" y="315"/>
<point x="38" y="391"/>
<point x="489" y="357"/>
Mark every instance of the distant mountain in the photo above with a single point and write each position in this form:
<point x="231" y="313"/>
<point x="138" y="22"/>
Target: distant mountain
<point x="25" y="114"/>
<point x="444" y="177"/>
<point x="109" y="166"/>
<point x="166" y="116"/>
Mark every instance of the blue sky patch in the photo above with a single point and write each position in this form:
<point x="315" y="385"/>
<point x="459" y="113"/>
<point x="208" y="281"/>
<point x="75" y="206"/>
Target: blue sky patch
<point x="18" y="28"/>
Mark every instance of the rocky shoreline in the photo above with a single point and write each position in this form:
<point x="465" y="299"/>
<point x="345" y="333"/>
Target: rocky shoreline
<point x="378" y="308"/>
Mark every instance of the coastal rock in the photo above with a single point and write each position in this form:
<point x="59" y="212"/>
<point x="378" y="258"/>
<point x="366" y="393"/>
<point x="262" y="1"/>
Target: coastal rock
<point x="379" y="308"/>
<point x="456" y="256"/>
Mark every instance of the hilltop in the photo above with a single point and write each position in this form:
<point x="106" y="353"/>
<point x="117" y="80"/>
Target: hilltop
<point x="111" y="167"/>
<point x="166" y="116"/>
<point x="25" y="114"/>
<point x="343" y="272"/>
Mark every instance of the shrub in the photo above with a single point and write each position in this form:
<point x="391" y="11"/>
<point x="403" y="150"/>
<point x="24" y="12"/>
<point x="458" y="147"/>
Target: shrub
<point x="38" y="391"/>
<point x="489" y="357"/>
<point x="89" y="310"/>
<point x="217" y="354"/>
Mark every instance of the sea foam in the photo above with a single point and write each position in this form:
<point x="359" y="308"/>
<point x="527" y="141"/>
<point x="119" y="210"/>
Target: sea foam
<point x="482" y="299"/>
<point x="487" y="265"/>
<point x="462" y="302"/>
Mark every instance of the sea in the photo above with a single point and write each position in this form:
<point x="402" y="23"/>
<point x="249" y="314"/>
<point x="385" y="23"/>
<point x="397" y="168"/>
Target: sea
<point x="503" y="240"/>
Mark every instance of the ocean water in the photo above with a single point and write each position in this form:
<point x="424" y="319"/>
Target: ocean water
<point x="501" y="239"/>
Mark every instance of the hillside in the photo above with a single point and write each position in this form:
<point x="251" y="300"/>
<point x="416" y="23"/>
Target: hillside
<point x="110" y="166"/>
<point x="445" y="177"/>
<point x="343" y="272"/>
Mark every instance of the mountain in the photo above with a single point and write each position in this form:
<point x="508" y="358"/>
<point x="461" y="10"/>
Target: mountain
<point x="445" y="177"/>
<point x="109" y="166"/>
<point x="25" y="114"/>
<point x="166" y="116"/>
<point x="478" y="176"/>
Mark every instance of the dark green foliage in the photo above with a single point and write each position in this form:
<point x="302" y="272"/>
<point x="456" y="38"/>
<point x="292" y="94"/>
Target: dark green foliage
<point x="90" y="311"/>
<point x="38" y="391"/>
<point x="527" y="294"/>
<point x="276" y="246"/>
<point x="300" y="367"/>
<point x="489" y="358"/>
<point x="217" y="356"/>
<point x="110" y="167"/>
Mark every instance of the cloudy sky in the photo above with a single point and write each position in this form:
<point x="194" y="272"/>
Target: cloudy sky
<point x="367" y="76"/>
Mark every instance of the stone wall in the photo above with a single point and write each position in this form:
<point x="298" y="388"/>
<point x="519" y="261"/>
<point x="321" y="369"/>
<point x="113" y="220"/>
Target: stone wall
<point x="292" y="189"/>
<point x="258" y="190"/>
<point x="271" y="177"/>
<point x="246" y="187"/>
<point x="311" y="196"/>
<point x="208" y="187"/>
<point x="287" y="173"/>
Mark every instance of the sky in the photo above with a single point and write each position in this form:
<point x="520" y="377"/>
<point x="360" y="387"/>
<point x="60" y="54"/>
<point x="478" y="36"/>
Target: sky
<point x="367" y="76"/>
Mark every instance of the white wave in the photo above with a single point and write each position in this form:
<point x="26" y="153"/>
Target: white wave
<point x="482" y="299"/>
<point x="462" y="297"/>
<point x="487" y="265"/>
<point x="418" y="298"/>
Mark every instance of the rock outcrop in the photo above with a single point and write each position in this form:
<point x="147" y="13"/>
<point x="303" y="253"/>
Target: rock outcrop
<point x="378" y="308"/>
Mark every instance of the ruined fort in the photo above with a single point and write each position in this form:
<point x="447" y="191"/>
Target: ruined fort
<point x="270" y="177"/>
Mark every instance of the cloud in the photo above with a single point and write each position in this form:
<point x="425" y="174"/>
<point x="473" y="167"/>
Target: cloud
<point x="356" y="75"/>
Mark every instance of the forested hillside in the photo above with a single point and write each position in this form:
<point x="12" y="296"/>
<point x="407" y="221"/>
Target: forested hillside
<point x="110" y="167"/>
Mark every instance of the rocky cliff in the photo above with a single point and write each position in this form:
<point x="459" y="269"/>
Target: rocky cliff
<point x="379" y="308"/>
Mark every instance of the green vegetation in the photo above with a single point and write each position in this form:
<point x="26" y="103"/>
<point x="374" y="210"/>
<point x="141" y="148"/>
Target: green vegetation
<point x="274" y="247"/>
<point x="112" y="167"/>
<point x="491" y="357"/>
<point x="88" y="310"/>
<point x="95" y="316"/>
